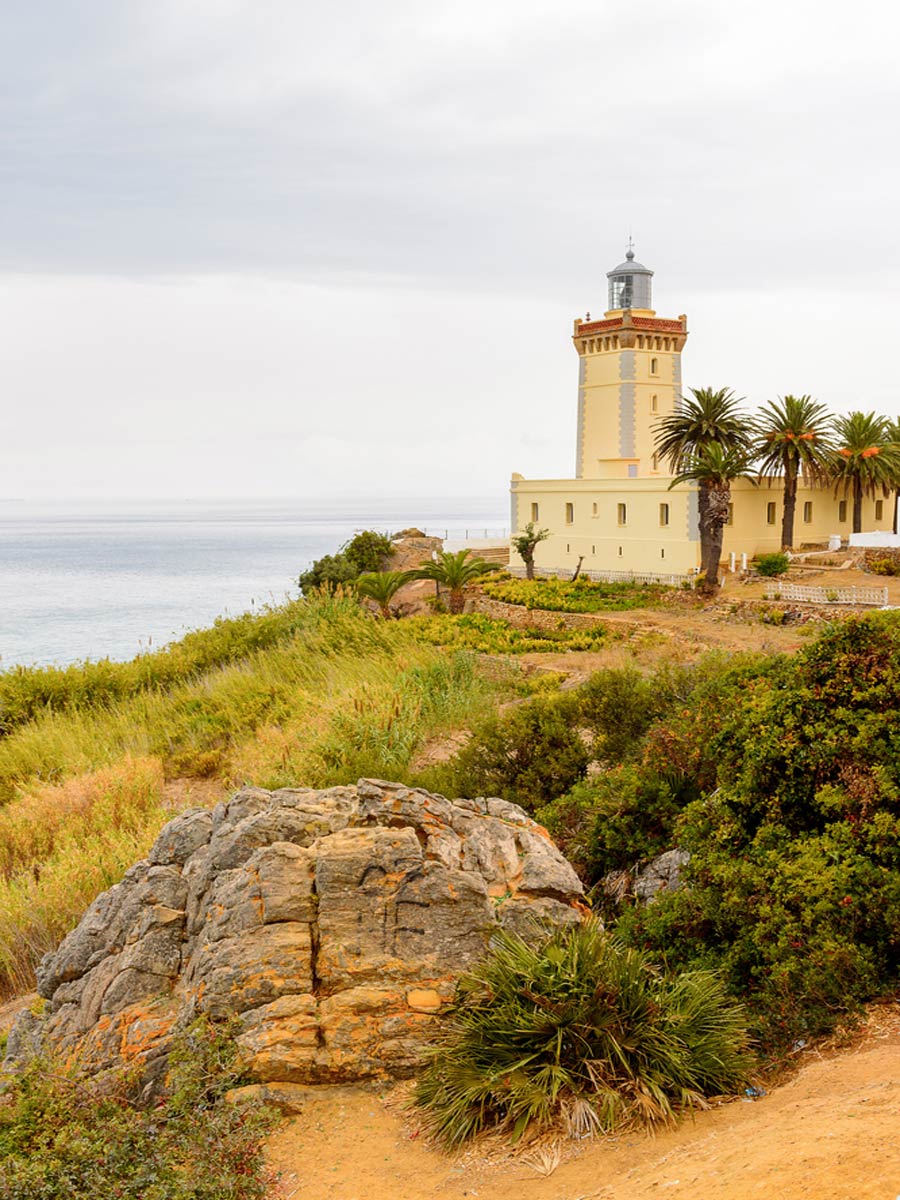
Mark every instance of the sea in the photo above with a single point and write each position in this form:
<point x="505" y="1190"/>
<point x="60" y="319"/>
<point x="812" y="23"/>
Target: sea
<point x="84" y="580"/>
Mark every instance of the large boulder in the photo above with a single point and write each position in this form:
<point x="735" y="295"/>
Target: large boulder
<point x="332" y="924"/>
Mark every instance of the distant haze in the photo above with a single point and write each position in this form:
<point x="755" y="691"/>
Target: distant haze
<point x="274" y="249"/>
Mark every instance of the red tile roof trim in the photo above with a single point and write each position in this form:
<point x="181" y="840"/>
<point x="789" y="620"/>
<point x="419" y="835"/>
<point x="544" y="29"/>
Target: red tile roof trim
<point x="587" y="328"/>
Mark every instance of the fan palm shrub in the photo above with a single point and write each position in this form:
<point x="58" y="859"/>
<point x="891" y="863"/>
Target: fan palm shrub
<point x="455" y="572"/>
<point x="866" y="460"/>
<point x="793" y="439"/>
<point x="382" y="587"/>
<point x="583" y="1030"/>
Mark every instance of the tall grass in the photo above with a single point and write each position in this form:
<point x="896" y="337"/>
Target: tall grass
<point x="60" y="847"/>
<point x="28" y="692"/>
<point x="81" y="790"/>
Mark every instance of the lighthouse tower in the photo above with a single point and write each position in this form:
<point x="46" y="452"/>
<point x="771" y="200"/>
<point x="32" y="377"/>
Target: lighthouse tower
<point x="629" y="375"/>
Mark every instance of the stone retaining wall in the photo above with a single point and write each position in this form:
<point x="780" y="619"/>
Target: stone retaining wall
<point x="533" y="618"/>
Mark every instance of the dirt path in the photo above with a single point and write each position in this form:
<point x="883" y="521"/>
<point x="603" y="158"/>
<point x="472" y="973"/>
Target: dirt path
<point x="828" y="1134"/>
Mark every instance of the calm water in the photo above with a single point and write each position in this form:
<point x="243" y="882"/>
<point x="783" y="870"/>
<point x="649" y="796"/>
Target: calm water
<point x="80" y="581"/>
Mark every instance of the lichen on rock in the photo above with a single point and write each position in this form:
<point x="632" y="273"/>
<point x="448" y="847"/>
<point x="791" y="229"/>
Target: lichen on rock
<point x="332" y="924"/>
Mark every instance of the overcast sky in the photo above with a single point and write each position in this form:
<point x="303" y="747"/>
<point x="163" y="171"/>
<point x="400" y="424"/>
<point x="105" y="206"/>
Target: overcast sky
<point x="275" y="247"/>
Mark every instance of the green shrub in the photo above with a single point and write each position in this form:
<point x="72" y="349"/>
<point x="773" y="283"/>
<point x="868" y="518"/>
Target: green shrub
<point x="793" y="888"/>
<point x="772" y="564"/>
<point x="366" y="553"/>
<point x="582" y="596"/>
<point x="883" y="566"/>
<point x="489" y="635"/>
<point x="530" y="755"/>
<point x="579" y="1030"/>
<point x="63" y="1134"/>
<point x="615" y="820"/>
<point x="619" y="706"/>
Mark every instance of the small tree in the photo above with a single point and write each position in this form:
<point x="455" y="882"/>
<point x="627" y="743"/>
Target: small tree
<point x="525" y="543"/>
<point x="455" y="572"/>
<point x="382" y="587"/>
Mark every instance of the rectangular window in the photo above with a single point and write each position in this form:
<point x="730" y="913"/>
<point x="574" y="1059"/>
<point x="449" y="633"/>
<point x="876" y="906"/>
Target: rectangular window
<point x="623" y="515"/>
<point x="570" y="513"/>
<point x="664" y="514"/>
<point x="654" y="366"/>
<point x="807" y="512"/>
<point x="655" y="462"/>
<point x="654" y="404"/>
<point x="842" y="510"/>
<point x="662" y="554"/>
<point x="770" y="513"/>
<point x="534" y="512"/>
<point x="593" y="549"/>
<point x="620" y="552"/>
<point x="879" y="510"/>
<point x="632" y="470"/>
<point x="595" y="509"/>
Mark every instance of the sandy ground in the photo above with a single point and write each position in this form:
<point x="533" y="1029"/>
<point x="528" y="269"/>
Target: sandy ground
<point x="829" y="1133"/>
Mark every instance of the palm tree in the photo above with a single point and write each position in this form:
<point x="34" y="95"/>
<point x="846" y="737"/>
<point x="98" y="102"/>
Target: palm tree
<point x="866" y="460"/>
<point x="382" y="587"/>
<point x="893" y="431"/>
<point x="793" y="440"/>
<point x="455" y="572"/>
<point x="713" y="468"/>
<point x="709" y="418"/>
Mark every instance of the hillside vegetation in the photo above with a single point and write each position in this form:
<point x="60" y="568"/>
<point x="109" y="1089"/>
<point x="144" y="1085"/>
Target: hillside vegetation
<point x="334" y="696"/>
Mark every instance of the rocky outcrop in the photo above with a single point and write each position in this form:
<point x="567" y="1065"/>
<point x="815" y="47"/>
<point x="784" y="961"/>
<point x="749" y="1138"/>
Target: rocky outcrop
<point x="332" y="924"/>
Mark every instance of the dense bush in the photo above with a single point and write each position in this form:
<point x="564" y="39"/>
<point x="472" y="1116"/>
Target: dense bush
<point x="365" y="553"/>
<point x="580" y="1030"/>
<point x="582" y="595"/>
<point x="529" y="755"/>
<point x="63" y="1135"/>
<point x="884" y="566"/>
<point x="783" y="781"/>
<point x="771" y="565"/>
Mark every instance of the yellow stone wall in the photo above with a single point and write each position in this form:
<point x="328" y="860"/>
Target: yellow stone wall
<point x="590" y="527"/>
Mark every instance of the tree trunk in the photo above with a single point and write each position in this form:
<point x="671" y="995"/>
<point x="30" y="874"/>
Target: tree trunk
<point x="712" y="528"/>
<point x="457" y="600"/>
<point x="578" y="568"/>
<point x="857" y="504"/>
<point x="896" y="508"/>
<point x="529" y="565"/>
<point x="790" y="505"/>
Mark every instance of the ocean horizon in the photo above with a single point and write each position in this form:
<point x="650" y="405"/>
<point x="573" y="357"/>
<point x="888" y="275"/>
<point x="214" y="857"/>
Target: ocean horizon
<point x="90" y="580"/>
